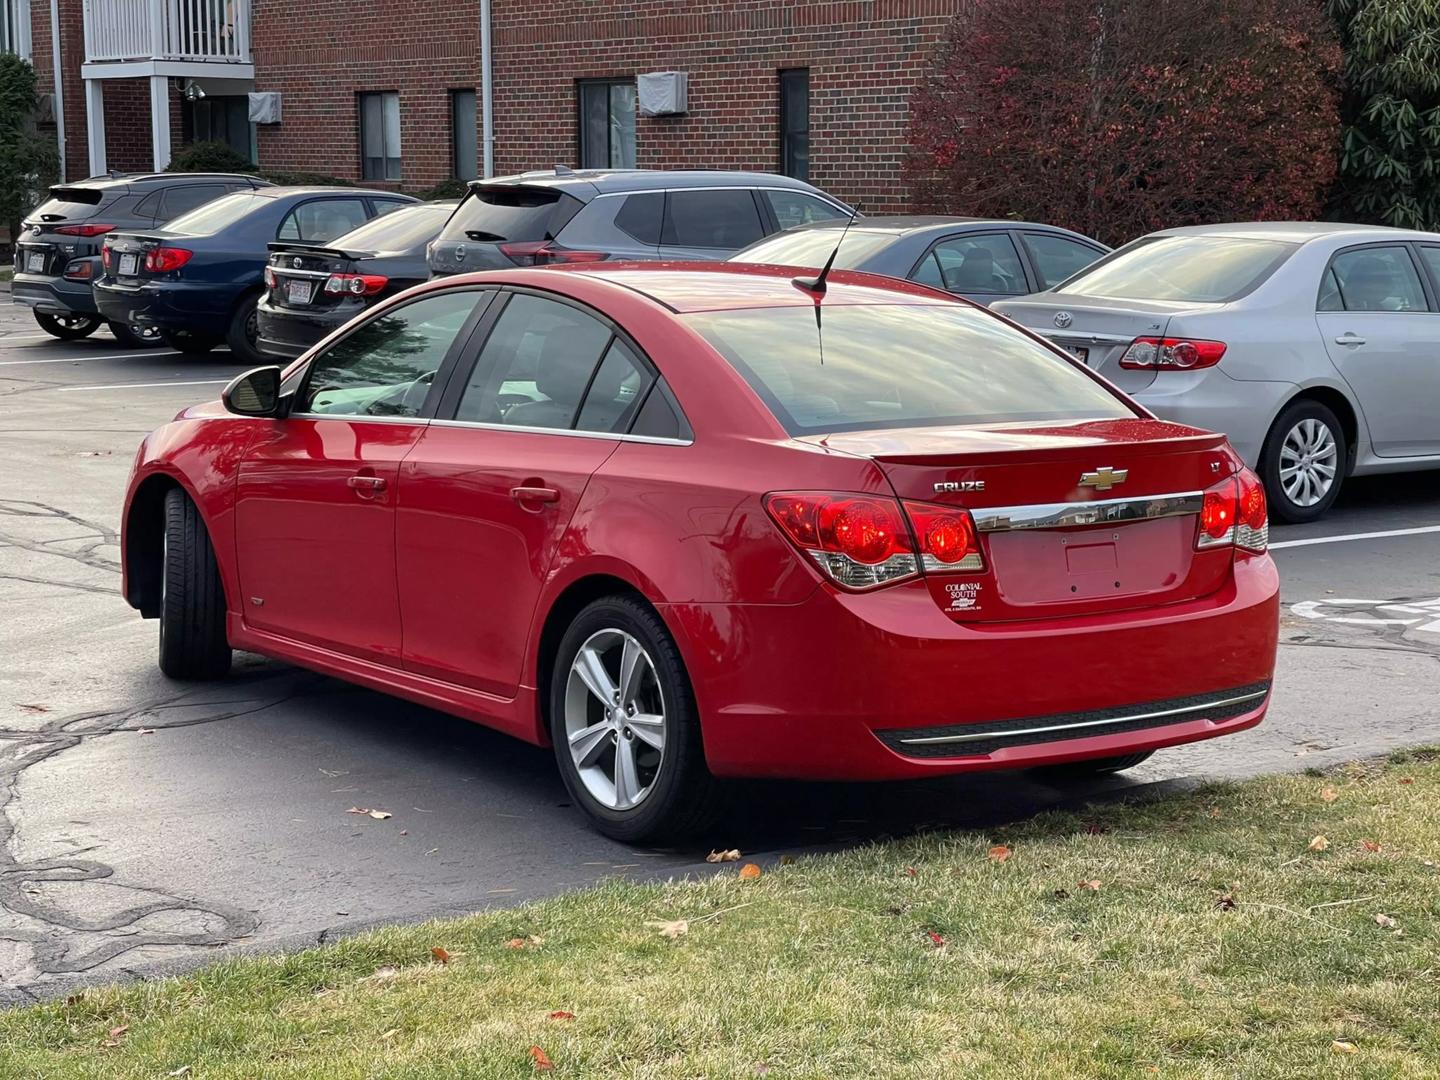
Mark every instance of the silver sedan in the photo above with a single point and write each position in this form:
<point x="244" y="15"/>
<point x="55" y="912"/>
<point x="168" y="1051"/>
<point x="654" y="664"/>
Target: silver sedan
<point x="1314" y="346"/>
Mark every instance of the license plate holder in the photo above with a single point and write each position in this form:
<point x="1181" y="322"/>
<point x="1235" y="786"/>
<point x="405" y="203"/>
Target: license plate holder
<point x="298" y="292"/>
<point x="128" y="265"/>
<point x="1079" y="352"/>
<point x="35" y="262"/>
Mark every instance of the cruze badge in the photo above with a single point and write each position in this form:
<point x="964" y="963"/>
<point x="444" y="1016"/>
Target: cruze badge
<point x="959" y="485"/>
<point x="1103" y="478"/>
<point x="1063" y="319"/>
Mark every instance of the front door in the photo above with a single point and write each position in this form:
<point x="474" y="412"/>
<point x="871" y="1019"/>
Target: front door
<point x="488" y="492"/>
<point x="315" y="500"/>
<point x="1384" y="339"/>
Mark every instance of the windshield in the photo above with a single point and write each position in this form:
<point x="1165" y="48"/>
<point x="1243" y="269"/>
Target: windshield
<point x="214" y="216"/>
<point x="1200" y="269"/>
<point x="811" y="247"/>
<point x="899" y="365"/>
<point x="399" y="230"/>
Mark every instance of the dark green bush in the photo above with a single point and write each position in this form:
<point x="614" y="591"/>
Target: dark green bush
<point x="29" y="162"/>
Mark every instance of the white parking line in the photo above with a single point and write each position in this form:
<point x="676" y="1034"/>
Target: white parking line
<point x="82" y="359"/>
<point x="142" y="385"/>
<point x="1356" y="536"/>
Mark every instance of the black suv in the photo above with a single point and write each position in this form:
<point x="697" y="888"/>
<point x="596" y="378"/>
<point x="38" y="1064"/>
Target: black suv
<point x="57" y="254"/>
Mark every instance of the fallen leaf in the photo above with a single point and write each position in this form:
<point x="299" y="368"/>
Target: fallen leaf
<point x="342" y="913"/>
<point x="1340" y="1046"/>
<point x="910" y="871"/>
<point x="1319" y="843"/>
<point x="935" y="939"/>
<point x="1407" y="779"/>
<point x="1386" y="921"/>
<point x="1062" y="894"/>
<point x="729" y="855"/>
<point x="678" y="928"/>
<point x="1371" y="846"/>
<point x="1215" y="812"/>
<point x="1093" y="885"/>
<point x="515" y="943"/>
<point x="147" y="731"/>
<point x="1095" y="828"/>
<point x="390" y="1034"/>
<point x="35" y="708"/>
<point x="1329" y="794"/>
<point x="383" y="973"/>
<point x="1226" y="901"/>
<point x="440" y="954"/>
<point x="380" y="815"/>
<point x="542" y="1059"/>
<point x="183" y="1070"/>
<point x="999" y="853"/>
<point x="561" y="1014"/>
<point x="75" y="999"/>
<point x="117" y="1032"/>
<point x="749" y="872"/>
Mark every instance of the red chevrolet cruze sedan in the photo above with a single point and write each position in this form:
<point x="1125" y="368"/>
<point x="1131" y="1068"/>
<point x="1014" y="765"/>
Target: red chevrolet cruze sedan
<point x="691" y="523"/>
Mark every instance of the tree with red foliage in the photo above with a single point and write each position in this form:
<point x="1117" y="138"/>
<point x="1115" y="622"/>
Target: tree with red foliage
<point x="1118" y="118"/>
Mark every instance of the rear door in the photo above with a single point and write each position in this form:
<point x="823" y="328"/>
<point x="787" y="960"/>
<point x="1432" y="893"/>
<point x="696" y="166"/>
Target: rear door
<point x="488" y="492"/>
<point x="1054" y="257"/>
<point x="710" y="224"/>
<point x="1377" y="320"/>
<point x="983" y="267"/>
<point x="318" y="220"/>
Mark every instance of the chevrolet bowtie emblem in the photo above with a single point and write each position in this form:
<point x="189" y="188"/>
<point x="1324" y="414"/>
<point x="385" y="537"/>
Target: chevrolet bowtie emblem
<point x="1103" y="478"/>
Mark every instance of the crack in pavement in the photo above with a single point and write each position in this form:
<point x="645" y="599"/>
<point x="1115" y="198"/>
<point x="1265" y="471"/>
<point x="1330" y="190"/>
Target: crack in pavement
<point x="50" y="946"/>
<point x="60" y="584"/>
<point x="103" y="535"/>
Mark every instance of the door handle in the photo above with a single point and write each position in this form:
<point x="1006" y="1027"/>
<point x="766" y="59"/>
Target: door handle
<point x="1349" y="339"/>
<point x="523" y="495"/>
<point x="367" y="487"/>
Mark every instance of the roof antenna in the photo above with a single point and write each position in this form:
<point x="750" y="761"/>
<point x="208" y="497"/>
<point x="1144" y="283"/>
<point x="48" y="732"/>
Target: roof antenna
<point x="816" y="284"/>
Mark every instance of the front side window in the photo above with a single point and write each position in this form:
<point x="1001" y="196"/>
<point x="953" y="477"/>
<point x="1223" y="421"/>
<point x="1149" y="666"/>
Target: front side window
<point x="711" y="218"/>
<point x="1194" y="269"/>
<point x="1055" y="258"/>
<point x="984" y="263"/>
<point x="1378" y="279"/>
<point x="607" y="123"/>
<point x="795" y="123"/>
<point x="385" y="367"/>
<point x="380" y="136"/>
<point x="464" y="137"/>
<point x="899" y="365"/>
<point x="322" y="220"/>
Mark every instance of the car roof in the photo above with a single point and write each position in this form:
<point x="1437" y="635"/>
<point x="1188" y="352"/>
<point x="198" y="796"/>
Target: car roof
<point x="691" y="287"/>
<point x="120" y="180"/>
<point x="315" y="189"/>
<point x="1295" y="232"/>
<point x="920" y="224"/>
<point x="607" y="180"/>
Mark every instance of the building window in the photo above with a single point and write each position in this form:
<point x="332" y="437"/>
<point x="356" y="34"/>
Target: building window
<point x="15" y="27"/>
<point x="463" y="134"/>
<point x="795" y="123"/>
<point x="380" y="136"/>
<point x="223" y="119"/>
<point x="607" y="123"/>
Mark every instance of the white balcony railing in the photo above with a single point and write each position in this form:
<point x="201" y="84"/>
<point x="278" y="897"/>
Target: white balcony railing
<point x="188" y="30"/>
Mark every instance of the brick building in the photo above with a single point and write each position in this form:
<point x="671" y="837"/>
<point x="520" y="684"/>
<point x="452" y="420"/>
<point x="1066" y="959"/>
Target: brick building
<point x="391" y="93"/>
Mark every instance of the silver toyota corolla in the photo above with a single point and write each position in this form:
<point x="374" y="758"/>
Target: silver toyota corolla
<point x="1314" y="346"/>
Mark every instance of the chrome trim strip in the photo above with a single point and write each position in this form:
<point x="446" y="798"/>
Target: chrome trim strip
<point x="563" y="431"/>
<point x="1099" y="512"/>
<point x="355" y="418"/>
<point x="299" y="273"/>
<point x="987" y="735"/>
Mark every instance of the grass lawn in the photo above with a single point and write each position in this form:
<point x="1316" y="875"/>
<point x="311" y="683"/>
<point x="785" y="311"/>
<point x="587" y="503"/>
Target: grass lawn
<point x="1211" y="935"/>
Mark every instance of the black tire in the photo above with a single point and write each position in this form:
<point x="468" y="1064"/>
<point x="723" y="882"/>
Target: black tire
<point x="193" y="644"/>
<point x="243" y="335"/>
<point x="1282" y="507"/>
<point x="68" y="327"/>
<point x="134" y="337"/>
<point x="189" y="342"/>
<point x="1091" y="767"/>
<point x="682" y="798"/>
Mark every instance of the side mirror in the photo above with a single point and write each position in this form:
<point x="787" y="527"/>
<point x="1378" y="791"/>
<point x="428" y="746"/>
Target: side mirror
<point x="255" y="393"/>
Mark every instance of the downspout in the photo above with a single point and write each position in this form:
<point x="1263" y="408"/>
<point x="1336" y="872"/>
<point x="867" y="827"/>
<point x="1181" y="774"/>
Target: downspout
<point x="59" y="86"/>
<point x="487" y="104"/>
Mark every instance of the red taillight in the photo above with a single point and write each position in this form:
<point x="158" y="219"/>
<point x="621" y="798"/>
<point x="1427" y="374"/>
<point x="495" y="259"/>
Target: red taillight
<point x="1217" y="515"/>
<point x="947" y="538"/>
<point x="1233" y="512"/>
<point x="859" y="541"/>
<point x="79" y="270"/>
<point x="161" y="260"/>
<point x="269" y="277"/>
<point x="84" y="230"/>
<point x="356" y="284"/>
<point x="540" y="253"/>
<point x="1252" y="518"/>
<point x="1172" y="354"/>
<point x="105" y="256"/>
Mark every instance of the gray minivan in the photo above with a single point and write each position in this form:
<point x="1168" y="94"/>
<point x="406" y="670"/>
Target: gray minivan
<point x="567" y="216"/>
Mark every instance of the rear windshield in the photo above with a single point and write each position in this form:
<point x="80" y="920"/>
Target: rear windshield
<point x="214" y="216"/>
<point x="399" y="230"/>
<point x="811" y="247"/>
<point x="883" y="366"/>
<point x="513" y="214"/>
<point x="1199" y="269"/>
<point x="69" y="204"/>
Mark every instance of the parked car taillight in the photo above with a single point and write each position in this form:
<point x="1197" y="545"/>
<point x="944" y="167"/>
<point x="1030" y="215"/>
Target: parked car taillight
<point x="540" y="253"/>
<point x="269" y="277"/>
<point x="946" y="536"/>
<point x="105" y="256"/>
<point x="161" y="260"/>
<point x="79" y="270"/>
<point x="356" y="284"/>
<point x="84" y="230"/>
<point x="1233" y="513"/>
<point x="1172" y="354"/>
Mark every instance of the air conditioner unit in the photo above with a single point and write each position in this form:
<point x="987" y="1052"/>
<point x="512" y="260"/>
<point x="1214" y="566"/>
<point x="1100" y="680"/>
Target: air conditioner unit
<point x="265" y="107"/>
<point x="663" y="93"/>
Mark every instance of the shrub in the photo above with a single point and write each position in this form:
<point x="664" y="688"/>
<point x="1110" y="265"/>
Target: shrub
<point x="215" y="157"/>
<point x="28" y="159"/>
<point x="1390" y="151"/>
<point x="1116" y="119"/>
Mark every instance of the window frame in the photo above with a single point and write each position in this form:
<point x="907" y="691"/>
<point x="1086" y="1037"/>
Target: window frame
<point x="360" y="96"/>
<point x="784" y="78"/>
<point x="1428" y="286"/>
<point x="462" y="375"/>
<point x="608" y="82"/>
<point x="968" y="234"/>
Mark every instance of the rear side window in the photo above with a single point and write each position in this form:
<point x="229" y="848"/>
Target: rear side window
<point x="793" y="208"/>
<point x="323" y="219"/>
<point x="982" y="263"/>
<point x="1378" y="279"/>
<point x="497" y="215"/>
<point x="186" y="197"/>
<point x="711" y="218"/>
<point x="900" y="366"/>
<point x="214" y="216"/>
<point x="1197" y="269"/>
<point x="641" y="215"/>
<point x="1055" y="258"/>
<point x="407" y="228"/>
<point x="811" y="247"/>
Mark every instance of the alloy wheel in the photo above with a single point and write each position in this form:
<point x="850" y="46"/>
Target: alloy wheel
<point x="615" y="719"/>
<point x="1308" y="461"/>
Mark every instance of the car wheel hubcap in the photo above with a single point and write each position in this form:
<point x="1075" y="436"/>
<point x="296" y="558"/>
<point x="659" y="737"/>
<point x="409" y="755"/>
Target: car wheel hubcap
<point x="1308" y="460"/>
<point x="615" y="719"/>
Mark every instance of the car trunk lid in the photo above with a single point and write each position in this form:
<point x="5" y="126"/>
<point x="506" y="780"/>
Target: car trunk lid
<point x="494" y="220"/>
<point x="1074" y="518"/>
<point x="301" y="271"/>
<point x="40" y="247"/>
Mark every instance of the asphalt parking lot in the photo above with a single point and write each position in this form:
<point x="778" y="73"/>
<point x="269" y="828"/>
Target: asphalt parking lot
<point x="146" y="823"/>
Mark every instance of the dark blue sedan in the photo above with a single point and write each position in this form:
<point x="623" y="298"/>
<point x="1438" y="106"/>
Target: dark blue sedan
<point x="199" y="279"/>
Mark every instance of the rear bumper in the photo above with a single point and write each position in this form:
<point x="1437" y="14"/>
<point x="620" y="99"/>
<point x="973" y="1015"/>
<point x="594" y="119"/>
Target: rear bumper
<point x="53" y="295"/>
<point x="169" y="305"/>
<point x="289" y="333"/>
<point x="830" y="688"/>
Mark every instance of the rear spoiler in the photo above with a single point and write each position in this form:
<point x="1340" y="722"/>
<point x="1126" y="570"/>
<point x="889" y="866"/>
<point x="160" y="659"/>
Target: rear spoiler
<point x="302" y="248"/>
